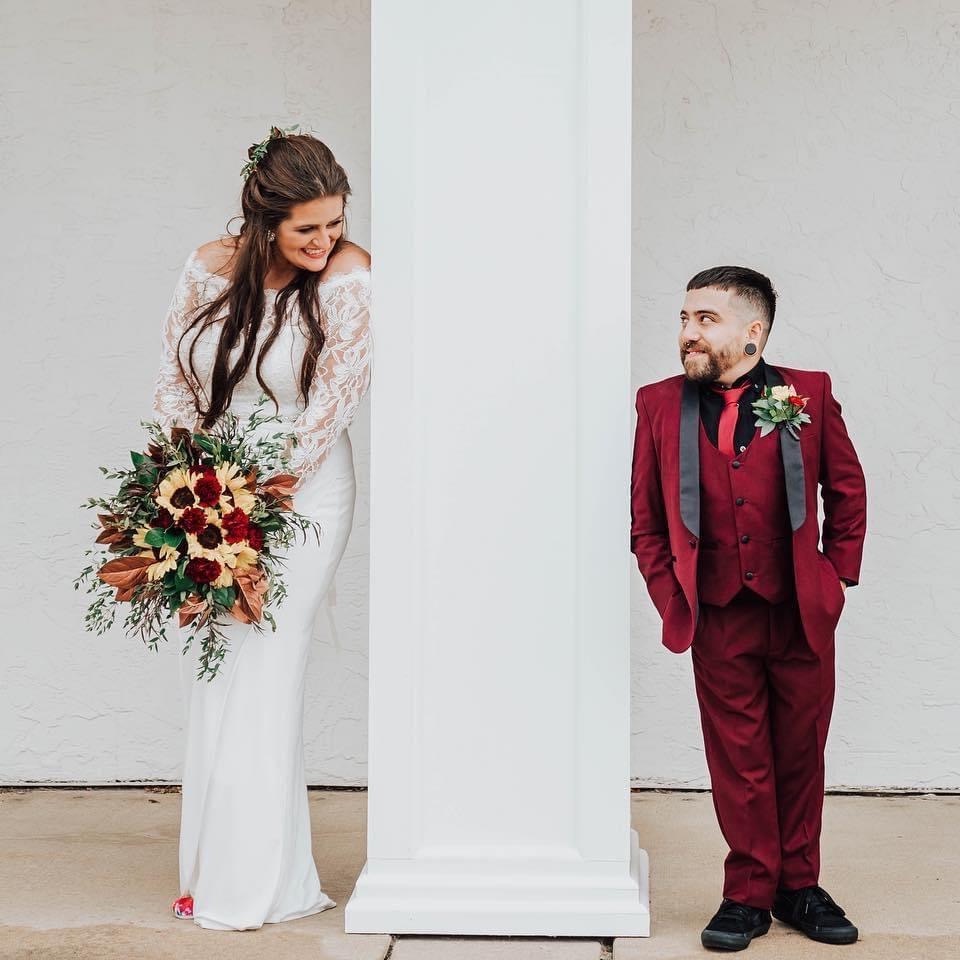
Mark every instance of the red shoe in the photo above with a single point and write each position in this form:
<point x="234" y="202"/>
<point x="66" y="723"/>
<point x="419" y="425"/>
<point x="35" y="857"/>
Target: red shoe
<point x="183" y="908"/>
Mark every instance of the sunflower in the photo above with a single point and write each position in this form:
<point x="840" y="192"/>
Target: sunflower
<point x="175" y="493"/>
<point x="139" y="540"/>
<point x="167" y="562"/>
<point x="235" y="493"/>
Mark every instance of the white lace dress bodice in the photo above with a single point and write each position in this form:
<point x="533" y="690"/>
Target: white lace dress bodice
<point x="340" y="381"/>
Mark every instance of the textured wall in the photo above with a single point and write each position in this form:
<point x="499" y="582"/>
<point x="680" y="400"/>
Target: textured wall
<point x="123" y="131"/>
<point x="816" y="143"/>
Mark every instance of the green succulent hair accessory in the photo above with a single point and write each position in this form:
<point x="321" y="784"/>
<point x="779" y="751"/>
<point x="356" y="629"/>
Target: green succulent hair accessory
<point x="258" y="151"/>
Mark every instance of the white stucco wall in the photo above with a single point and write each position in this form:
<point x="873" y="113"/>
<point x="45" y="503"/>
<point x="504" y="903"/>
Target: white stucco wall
<point x="124" y="128"/>
<point x="818" y="143"/>
<point x="815" y="143"/>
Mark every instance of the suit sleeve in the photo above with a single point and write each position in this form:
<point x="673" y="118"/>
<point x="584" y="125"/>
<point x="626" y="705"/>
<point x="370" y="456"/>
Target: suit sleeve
<point x="844" y="492"/>
<point x="649" y="537"/>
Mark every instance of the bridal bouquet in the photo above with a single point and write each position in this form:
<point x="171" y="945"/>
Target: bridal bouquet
<point x="194" y="531"/>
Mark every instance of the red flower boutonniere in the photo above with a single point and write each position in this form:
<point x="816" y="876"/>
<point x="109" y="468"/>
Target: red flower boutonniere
<point x="780" y="407"/>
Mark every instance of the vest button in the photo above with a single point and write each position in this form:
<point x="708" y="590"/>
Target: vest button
<point x="735" y="464"/>
<point x="739" y="501"/>
<point x="745" y="538"/>
<point x="748" y="576"/>
<point x="692" y="543"/>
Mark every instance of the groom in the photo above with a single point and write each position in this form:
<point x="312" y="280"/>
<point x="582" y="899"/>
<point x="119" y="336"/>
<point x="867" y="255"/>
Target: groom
<point x="725" y="532"/>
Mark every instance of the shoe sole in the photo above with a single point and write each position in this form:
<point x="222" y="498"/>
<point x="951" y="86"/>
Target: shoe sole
<point x="718" y="940"/>
<point x="837" y="939"/>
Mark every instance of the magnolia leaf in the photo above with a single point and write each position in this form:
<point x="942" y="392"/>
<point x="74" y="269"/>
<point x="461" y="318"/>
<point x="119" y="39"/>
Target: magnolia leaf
<point x="281" y="486"/>
<point x="281" y="481"/>
<point x="172" y="537"/>
<point x="125" y="572"/>
<point x="224" y="596"/>
<point x="156" y="537"/>
<point x="251" y="480"/>
<point x="139" y="460"/>
<point x="110" y="535"/>
<point x="238" y="612"/>
<point x="249" y="604"/>
<point x="193" y="607"/>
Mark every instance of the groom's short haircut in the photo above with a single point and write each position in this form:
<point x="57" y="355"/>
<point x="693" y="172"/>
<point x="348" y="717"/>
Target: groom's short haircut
<point x="754" y="287"/>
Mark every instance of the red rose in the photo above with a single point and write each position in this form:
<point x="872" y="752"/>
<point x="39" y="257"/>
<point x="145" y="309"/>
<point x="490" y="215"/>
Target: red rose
<point x="201" y="570"/>
<point x="193" y="520"/>
<point x="255" y="537"/>
<point x="236" y="524"/>
<point x="163" y="519"/>
<point x="799" y="402"/>
<point x="208" y="490"/>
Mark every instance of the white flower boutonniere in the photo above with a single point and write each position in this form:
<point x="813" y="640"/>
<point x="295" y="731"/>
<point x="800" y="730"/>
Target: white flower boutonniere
<point x="780" y="407"/>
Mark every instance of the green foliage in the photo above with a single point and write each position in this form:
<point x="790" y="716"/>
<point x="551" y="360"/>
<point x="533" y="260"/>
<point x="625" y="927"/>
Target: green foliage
<point x="244" y="442"/>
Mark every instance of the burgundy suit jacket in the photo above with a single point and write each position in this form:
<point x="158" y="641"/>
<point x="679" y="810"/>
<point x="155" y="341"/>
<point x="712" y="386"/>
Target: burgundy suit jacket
<point x="665" y="503"/>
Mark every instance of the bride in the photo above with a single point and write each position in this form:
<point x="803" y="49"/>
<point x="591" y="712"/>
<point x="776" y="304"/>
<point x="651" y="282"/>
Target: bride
<point x="281" y="309"/>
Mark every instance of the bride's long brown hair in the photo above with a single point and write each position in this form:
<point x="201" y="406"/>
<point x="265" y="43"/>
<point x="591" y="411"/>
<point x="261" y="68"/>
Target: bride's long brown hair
<point x="292" y="169"/>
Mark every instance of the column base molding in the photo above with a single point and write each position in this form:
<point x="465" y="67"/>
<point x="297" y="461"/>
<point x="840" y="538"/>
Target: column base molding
<point x="543" y="896"/>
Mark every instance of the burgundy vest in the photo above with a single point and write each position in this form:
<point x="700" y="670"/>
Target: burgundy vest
<point x="745" y="536"/>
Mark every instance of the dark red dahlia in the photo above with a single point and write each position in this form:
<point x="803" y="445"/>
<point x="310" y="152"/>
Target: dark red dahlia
<point x="208" y="489"/>
<point x="255" y="537"/>
<point x="163" y="519"/>
<point x="201" y="570"/>
<point x="193" y="520"/>
<point x="235" y="524"/>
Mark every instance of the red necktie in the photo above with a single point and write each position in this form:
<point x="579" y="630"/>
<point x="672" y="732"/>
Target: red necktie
<point x="728" y="419"/>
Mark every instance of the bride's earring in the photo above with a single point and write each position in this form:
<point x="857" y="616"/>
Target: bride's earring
<point x="271" y="236"/>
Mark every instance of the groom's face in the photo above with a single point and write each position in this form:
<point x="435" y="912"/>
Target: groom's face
<point x="713" y="326"/>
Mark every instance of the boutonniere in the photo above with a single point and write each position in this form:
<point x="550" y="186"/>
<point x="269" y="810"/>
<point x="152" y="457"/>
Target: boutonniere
<point x="780" y="407"/>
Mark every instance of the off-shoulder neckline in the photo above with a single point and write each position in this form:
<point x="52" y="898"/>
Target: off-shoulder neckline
<point x="358" y="271"/>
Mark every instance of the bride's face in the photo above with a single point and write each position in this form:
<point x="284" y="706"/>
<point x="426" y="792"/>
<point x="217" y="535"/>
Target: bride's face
<point x="308" y="234"/>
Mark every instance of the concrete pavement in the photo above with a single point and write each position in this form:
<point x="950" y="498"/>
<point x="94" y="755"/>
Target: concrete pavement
<point x="91" y="874"/>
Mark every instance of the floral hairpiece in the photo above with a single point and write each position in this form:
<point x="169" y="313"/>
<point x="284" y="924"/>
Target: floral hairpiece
<point x="258" y="151"/>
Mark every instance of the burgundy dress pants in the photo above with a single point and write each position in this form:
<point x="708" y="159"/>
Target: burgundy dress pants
<point x="765" y="703"/>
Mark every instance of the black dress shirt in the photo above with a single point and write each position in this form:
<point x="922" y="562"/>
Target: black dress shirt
<point x="711" y="406"/>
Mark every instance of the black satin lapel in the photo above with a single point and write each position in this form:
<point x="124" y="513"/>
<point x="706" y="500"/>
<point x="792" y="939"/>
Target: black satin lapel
<point x="792" y="458"/>
<point x="690" y="458"/>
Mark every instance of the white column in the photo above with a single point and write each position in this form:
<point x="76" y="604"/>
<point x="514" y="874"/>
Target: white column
<point x="501" y="435"/>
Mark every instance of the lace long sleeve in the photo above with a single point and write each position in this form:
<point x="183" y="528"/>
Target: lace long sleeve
<point x="342" y="375"/>
<point x="173" y="401"/>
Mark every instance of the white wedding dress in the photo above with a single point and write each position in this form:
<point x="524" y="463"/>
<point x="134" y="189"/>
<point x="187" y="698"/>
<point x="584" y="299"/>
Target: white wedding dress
<point x="245" y="845"/>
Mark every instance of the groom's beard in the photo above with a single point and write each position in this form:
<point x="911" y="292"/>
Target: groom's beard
<point x="706" y="366"/>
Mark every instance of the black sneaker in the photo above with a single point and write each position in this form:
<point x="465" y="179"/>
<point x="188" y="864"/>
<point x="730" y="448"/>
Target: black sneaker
<point x="812" y="911"/>
<point x="734" y="925"/>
